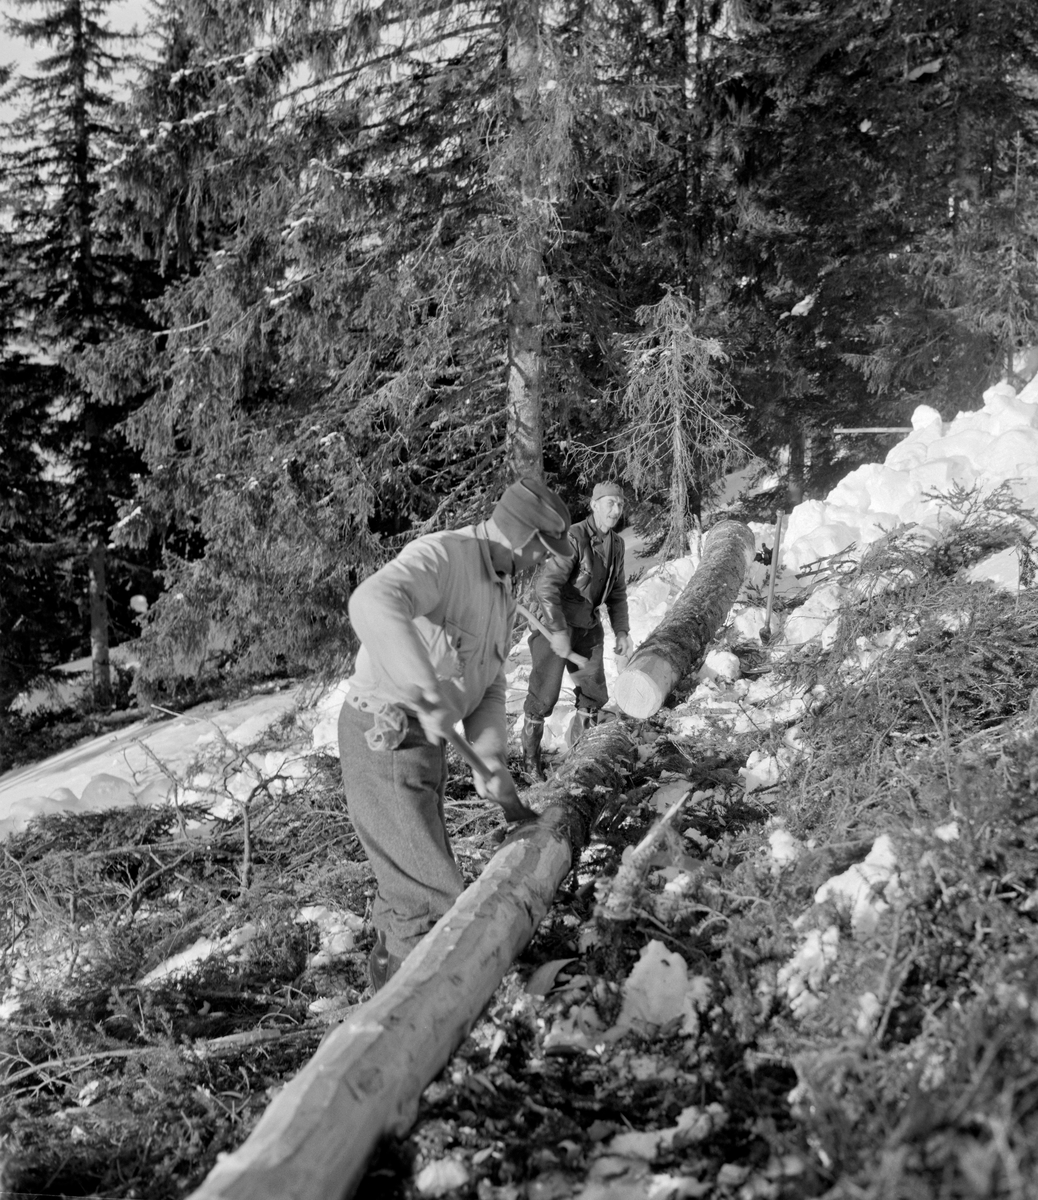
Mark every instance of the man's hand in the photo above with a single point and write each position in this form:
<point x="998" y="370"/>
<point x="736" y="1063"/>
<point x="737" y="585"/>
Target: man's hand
<point x="624" y="645"/>
<point x="434" y="715"/>
<point x="560" y="643"/>
<point x="501" y="789"/>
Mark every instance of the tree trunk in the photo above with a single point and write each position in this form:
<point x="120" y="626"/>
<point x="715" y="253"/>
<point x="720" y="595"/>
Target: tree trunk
<point x="678" y="644"/>
<point x="525" y="419"/>
<point x="525" y="311"/>
<point x="102" y="670"/>
<point x="676" y="545"/>
<point x="365" y="1080"/>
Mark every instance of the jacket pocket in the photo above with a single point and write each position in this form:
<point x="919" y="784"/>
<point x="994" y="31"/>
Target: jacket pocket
<point x="452" y="651"/>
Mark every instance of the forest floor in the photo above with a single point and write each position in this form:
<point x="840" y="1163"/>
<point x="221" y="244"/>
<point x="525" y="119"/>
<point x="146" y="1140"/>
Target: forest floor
<point x="877" y="1043"/>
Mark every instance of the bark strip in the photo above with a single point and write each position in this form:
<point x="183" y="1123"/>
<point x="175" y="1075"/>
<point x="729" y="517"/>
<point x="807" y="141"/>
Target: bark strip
<point x="678" y="644"/>
<point x="365" y="1080"/>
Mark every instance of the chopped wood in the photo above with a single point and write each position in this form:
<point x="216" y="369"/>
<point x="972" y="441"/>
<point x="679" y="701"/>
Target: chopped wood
<point x="678" y="644"/>
<point x="365" y="1080"/>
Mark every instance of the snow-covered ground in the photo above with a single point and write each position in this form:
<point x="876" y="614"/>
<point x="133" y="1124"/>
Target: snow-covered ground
<point x="986" y="448"/>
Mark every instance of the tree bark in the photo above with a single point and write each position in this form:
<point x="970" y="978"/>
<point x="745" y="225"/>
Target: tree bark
<point x="366" y="1078"/>
<point x="525" y="420"/>
<point x="525" y="309"/>
<point x="678" y="644"/>
<point x="102" y="669"/>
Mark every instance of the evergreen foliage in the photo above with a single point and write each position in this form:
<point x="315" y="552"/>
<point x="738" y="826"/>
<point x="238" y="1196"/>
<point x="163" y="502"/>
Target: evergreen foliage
<point x="398" y="254"/>
<point x="890" y="142"/>
<point x="385" y="299"/>
<point x="681" y="431"/>
<point x="71" y="286"/>
<point x="32" y="582"/>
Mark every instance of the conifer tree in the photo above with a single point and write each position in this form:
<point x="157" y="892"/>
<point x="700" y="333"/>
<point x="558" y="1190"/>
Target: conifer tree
<point x="891" y="229"/>
<point x="69" y="287"/>
<point x="395" y="278"/>
<point x="682" y="431"/>
<point x="32" y="585"/>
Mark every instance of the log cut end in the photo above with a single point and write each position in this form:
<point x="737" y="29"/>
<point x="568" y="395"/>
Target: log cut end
<point x="639" y="690"/>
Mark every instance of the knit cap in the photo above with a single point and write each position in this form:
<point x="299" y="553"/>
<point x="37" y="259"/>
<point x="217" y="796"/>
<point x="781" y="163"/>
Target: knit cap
<point x="528" y="508"/>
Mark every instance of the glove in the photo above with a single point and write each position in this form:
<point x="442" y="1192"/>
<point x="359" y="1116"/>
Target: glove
<point x="560" y="643"/>
<point x="501" y="788"/>
<point x="433" y="714"/>
<point x="624" y="645"/>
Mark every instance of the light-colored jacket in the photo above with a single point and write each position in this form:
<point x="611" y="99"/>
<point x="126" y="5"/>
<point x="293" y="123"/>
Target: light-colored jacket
<point x="438" y="610"/>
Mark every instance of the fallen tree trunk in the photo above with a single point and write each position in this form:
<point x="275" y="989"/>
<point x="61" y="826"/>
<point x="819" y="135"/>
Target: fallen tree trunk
<point x="365" y="1080"/>
<point x="678" y="644"/>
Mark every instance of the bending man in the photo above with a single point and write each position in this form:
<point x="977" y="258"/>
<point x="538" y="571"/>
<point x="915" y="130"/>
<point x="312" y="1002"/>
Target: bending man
<point x="569" y="594"/>
<point x="435" y="628"/>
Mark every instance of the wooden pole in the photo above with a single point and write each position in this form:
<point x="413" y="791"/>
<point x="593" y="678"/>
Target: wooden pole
<point x="364" y="1082"/>
<point x="678" y="644"/>
<point x="876" y="429"/>
<point x="766" y="630"/>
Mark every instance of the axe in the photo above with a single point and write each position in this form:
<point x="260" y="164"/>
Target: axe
<point x="543" y="629"/>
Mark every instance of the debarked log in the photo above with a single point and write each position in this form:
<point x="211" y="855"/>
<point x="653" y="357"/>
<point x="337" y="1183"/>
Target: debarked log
<point x="364" y="1082"/>
<point x="678" y="644"/>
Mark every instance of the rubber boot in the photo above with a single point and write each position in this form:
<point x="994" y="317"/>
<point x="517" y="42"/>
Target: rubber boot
<point x="533" y="731"/>
<point x="382" y="965"/>
<point x="582" y="718"/>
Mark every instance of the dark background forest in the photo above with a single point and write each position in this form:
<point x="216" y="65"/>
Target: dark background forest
<point x="304" y="280"/>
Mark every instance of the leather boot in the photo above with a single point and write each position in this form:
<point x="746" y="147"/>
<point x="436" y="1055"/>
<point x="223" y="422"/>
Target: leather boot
<point x="382" y="965"/>
<point x="582" y="718"/>
<point x="533" y="731"/>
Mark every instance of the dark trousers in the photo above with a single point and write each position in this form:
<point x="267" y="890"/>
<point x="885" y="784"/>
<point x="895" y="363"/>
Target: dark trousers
<point x="546" y="673"/>
<point x="395" y="802"/>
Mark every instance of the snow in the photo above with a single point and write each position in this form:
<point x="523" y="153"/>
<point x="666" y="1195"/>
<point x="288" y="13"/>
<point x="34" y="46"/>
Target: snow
<point x="144" y="756"/>
<point x="866" y="889"/>
<point x="215" y="755"/>
<point x="659" y="992"/>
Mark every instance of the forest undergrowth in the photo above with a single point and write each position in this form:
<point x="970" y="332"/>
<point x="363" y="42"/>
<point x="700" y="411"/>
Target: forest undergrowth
<point x="883" y="1048"/>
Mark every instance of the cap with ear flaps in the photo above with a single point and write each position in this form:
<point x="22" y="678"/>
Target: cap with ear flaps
<point x="530" y="508"/>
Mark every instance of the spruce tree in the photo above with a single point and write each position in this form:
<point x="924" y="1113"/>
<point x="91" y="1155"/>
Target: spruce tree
<point x="890" y="225"/>
<point x="70" y="287"/>
<point x="393" y="279"/>
<point x="34" y="611"/>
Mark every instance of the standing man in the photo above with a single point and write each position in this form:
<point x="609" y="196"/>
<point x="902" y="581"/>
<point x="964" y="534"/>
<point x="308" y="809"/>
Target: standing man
<point x="569" y="593"/>
<point x="435" y="628"/>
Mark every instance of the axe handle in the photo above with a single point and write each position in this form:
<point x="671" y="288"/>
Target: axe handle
<point x="543" y="629"/>
<point x="468" y="753"/>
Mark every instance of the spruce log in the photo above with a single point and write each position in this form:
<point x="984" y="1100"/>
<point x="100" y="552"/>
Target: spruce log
<point x="678" y="644"/>
<point x="364" y="1082"/>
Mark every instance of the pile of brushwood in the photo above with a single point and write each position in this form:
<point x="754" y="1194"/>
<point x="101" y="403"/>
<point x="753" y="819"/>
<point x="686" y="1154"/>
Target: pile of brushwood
<point x="913" y="1072"/>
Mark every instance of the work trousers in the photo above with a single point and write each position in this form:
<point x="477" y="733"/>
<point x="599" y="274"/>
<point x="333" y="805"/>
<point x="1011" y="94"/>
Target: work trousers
<point x="395" y="802"/>
<point x="589" y="683"/>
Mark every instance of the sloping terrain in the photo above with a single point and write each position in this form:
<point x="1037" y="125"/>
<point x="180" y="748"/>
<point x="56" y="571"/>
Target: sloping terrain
<point x="823" y="987"/>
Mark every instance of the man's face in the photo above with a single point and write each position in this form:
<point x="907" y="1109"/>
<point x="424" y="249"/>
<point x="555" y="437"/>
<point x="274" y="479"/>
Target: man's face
<point x="531" y="555"/>
<point x="607" y="511"/>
